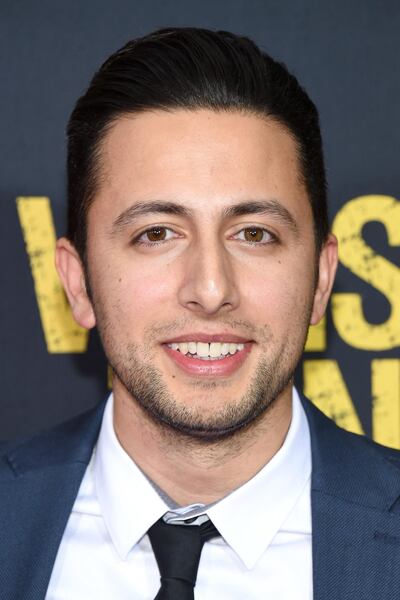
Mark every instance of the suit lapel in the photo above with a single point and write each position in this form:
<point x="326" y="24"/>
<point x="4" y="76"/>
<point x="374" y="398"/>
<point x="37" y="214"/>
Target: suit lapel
<point x="356" y="527"/>
<point x="38" y="488"/>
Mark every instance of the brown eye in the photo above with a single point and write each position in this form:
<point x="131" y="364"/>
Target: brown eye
<point x="253" y="234"/>
<point x="156" y="234"/>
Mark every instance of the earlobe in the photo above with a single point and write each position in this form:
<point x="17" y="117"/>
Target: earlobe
<point x="71" y="273"/>
<point x="328" y="262"/>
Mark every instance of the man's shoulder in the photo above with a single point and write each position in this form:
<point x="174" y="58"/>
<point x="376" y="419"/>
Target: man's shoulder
<point x="362" y="441"/>
<point x="70" y="441"/>
<point x="357" y="441"/>
<point x="391" y="454"/>
<point x="40" y="478"/>
<point x="371" y="448"/>
<point x="351" y="466"/>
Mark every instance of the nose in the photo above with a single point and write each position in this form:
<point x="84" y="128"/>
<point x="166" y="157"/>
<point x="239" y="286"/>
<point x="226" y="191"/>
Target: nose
<point x="208" y="285"/>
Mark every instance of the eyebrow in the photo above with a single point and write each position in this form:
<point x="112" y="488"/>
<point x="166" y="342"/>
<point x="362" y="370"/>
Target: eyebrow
<point x="250" y="207"/>
<point x="271" y="207"/>
<point x="128" y="216"/>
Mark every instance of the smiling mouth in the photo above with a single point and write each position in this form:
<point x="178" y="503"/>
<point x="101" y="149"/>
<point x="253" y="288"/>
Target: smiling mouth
<point x="206" y="351"/>
<point x="217" y="358"/>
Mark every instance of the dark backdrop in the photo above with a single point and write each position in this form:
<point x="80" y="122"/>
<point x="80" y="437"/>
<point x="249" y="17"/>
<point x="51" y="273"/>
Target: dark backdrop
<point x="346" y="54"/>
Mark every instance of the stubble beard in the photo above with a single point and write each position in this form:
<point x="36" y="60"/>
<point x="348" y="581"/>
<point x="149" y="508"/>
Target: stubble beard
<point x="146" y="386"/>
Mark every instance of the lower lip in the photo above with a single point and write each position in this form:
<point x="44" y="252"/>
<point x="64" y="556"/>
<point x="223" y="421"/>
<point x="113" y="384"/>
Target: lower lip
<point x="221" y="367"/>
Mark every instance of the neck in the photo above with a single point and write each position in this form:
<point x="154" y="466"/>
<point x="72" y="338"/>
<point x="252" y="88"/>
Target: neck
<point x="192" y="471"/>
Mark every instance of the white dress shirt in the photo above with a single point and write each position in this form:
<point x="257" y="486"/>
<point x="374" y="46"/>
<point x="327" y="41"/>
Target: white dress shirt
<point x="264" y="551"/>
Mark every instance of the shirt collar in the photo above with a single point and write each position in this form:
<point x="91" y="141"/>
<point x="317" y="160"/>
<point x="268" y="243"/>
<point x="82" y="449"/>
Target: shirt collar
<point x="129" y="503"/>
<point x="248" y="518"/>
<point x="275" y="499"/>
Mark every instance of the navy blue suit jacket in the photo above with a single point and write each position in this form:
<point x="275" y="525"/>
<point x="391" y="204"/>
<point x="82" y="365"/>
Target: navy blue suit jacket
<point x="355" y="509"/>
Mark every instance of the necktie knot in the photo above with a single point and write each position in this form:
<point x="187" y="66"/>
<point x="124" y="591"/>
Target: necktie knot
<point x="177" y="549"/>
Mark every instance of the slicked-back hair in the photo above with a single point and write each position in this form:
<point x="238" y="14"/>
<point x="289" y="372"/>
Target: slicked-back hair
<point x="189" y="68"/>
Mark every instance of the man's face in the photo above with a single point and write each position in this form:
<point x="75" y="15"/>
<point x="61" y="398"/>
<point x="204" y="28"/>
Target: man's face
<point x="202" y="265"/>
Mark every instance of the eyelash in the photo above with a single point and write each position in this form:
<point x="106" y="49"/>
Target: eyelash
<point x="136" y="241"/>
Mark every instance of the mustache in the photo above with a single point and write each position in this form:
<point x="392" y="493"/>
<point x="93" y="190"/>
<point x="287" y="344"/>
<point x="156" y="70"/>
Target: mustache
<point x="235" y="326"/>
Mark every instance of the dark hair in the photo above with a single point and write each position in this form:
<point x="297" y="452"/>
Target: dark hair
<point x="189" y="68"/>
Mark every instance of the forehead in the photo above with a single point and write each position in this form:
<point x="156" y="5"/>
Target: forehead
<point x="199" y="158"/>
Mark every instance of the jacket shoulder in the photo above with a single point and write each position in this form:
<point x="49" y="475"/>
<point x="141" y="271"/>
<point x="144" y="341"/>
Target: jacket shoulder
<point x="387" y="451"/>
<point x="351" y="466"/>
<point x="70" y="441"/>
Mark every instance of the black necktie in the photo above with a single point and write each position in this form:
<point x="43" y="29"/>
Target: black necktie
<point x="177" y="549"/>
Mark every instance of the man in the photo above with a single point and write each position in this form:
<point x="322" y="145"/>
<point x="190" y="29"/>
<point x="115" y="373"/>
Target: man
<point x="199" y="246"/>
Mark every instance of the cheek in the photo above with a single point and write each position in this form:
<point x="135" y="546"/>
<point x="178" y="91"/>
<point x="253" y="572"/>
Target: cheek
<point x="138" y="294"/>
<point x="278" y="292"/>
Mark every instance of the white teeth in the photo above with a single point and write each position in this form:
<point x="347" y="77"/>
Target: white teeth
<point x="215" y="350"/>
<point x="203" y="349"/>
<point x="192" y="347"/>
<point x="225" y="349"/>
<point x="183" y="347"/>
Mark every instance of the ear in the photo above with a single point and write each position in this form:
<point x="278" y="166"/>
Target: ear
<point x="328" y="261"/>
<point x="72" y="275"/>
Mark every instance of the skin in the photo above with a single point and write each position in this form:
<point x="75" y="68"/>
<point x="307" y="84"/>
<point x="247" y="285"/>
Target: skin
<point x="200" y="435"/>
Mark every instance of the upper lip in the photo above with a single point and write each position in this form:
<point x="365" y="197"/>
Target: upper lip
<point x="208" y="338"/>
